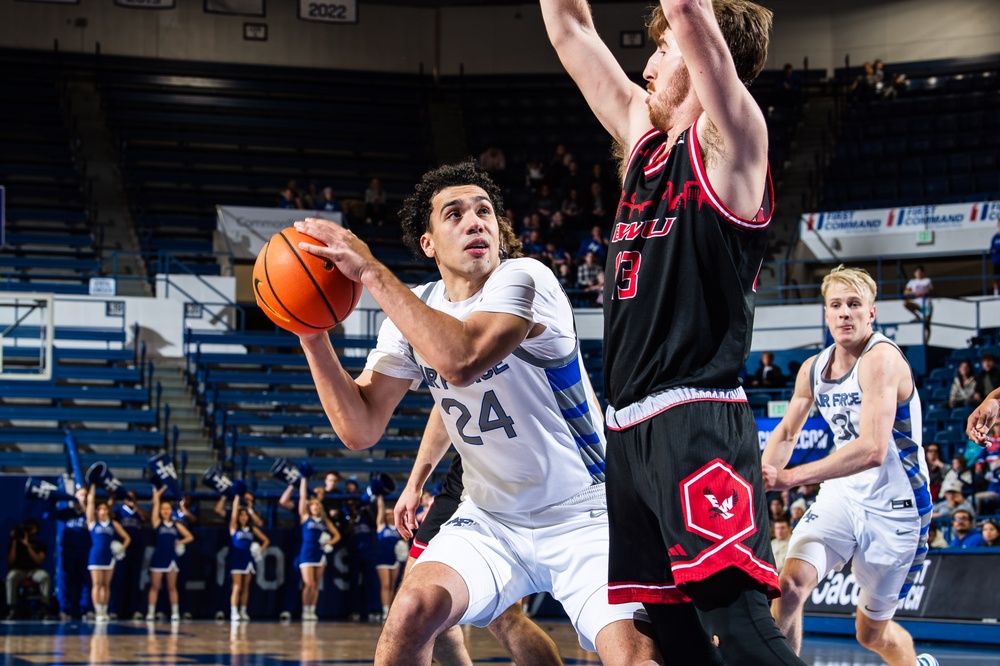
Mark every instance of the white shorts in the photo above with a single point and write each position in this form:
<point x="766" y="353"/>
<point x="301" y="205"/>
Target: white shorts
<point x="501" y="561"/>
<point x="883" y="546"/>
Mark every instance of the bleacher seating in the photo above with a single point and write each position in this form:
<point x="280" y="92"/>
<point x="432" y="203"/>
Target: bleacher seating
<point x="937" y="143"/>
<point x="48" y="243"/>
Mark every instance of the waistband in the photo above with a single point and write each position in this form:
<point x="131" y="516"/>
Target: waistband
<point x="651" y="405"/>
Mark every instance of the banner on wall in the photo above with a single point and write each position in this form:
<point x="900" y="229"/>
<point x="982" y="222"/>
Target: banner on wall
<point x="341" y="11"/>
<point x="147" y="4"/>
<point x="247" y="229"/>
<point x="950" y="586"/>
<point x="815" y="441"/>
<point x="911" y="230"/>
<point x="236" y="7"/>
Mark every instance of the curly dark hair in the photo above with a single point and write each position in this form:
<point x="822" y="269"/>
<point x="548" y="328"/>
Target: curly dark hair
<point x="415" y="215"/>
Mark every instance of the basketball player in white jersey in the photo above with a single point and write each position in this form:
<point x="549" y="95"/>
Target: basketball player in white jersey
<point x="874" y="503"/>
<point x="495" y="342"/>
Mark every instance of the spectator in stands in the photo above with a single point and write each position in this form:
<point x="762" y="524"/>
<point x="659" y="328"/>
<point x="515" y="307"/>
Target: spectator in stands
<point x="776" y="509"/>
<point x="863" y="87"/>
<point x="571" y="207"/>
<point x="797" y="510"/>
<point x="557" y="229"/>
<point x="963" y="387"/>
<point x="597" y="175"/>
<point x="935" y="467"/>
<point x="533" y="246"/>
<point x="555" y="256"/>
<point x="596" y="244"/>
<point x="807" y="493"/>
<point x="953" y="501"/>
<point x="375" y="201"/>
<point x="311" y="197"/>
<point x="331" y="505"/>
<point x="963" y="534"/>
<point x="573" y="179"/>
<point x="935" y="540"/>
<point x="789" y="85"/>
<point x="917" y="299"/>
<point x="586" y="276"/>
<point x="558" y="167"/>
<point x="595" y="292"/>
<point x="361" y="549"/>
<point x="544" y="203"/>
<point x="779" y="544"/>
<point x="988" y="378"/>
<point x="986" y="500"/>
<point x="534" y="173"/>
<point x="990" y="533"/>
<point x="888" y="86"/>
<point x="329" y="202"/>
<point x="995" y="260"/>
<point x="564" y="272"/>
<point x="599" y="210"/>
<point x="768" y="375"/>
<point x="959" y="473"/>
<point x="25" y="556"/>
<point x="494" y="162"/>
<point x="288" y="199"/>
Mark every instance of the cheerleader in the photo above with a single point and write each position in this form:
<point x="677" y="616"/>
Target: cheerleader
<point x="318" y="538"/>
<point x="171" y="538"/>
<point x="243" y="552"/>
<point x="387" y="555"/>
<point x="104" y="550"/>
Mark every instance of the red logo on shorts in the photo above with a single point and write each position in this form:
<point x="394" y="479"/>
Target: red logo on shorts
<point x="718" y="503"/>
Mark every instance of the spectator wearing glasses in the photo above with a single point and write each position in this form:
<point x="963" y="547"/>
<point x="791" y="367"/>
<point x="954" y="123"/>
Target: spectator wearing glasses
<point x="963" y="534"/>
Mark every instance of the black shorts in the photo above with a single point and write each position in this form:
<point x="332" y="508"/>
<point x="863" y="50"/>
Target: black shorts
<point x="685" y="501"/>
<point x="445" y="504"/>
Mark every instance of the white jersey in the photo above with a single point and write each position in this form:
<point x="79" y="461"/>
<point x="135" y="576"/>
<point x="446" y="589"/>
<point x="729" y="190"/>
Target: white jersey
<point x="528" y="430"/>
<point x="897" y="486"/>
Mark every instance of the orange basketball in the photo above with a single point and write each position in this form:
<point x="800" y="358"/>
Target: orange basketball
<point x="298" y="291"/>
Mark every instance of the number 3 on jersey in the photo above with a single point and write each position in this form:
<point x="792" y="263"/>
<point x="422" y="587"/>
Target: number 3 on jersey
<point x="627" y="274"/>
<point x="491" y="405"/>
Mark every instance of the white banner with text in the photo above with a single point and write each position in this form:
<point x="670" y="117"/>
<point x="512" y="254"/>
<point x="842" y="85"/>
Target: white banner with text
<point x="247" y="229"/>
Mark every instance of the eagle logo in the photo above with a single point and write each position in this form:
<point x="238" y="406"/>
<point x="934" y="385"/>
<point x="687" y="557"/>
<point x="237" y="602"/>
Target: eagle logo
<point x="725" y="509"/>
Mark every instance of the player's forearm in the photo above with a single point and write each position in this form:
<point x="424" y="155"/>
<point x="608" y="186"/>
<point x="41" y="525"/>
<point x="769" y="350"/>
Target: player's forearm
<point x="443" y="341"/>
<point x="355" y="422"/>
<point x="857" y="456"/>
<point x="433" y="446"/>
<point x="778" y="450"/>
<point x="566" y="20"/>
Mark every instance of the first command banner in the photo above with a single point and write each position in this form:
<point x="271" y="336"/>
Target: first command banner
<point x="815" y="440"/>
<point x="912" y="230"/>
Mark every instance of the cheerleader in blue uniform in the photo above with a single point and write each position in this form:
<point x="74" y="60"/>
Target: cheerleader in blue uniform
<point x="387" y="555"/>
<point x="104" y="550"/>
<point x="318" y="538"/>
<point x="171" y="539"/>
<point x="243" y="552"/>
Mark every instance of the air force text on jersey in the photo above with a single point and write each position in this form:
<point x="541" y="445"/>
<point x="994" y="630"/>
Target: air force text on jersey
<point x="434" y="379"/>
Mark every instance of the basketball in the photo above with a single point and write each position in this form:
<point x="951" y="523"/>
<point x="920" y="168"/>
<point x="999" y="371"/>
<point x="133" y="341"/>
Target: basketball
<point x="298" y="291"/>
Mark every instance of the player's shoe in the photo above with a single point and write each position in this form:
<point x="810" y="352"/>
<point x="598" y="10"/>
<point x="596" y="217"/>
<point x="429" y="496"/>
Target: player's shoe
<point x="234" y="616"/>
<point x="244" y="615"/>
<point x="150" y="617"/>
<point x="926" y="660"/>
<point x="175" y="617"/>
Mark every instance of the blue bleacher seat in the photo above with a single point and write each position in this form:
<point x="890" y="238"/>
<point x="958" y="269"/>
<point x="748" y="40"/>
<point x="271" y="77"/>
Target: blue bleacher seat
<point x="961" y="413"/>
<point x="936" y="414"/>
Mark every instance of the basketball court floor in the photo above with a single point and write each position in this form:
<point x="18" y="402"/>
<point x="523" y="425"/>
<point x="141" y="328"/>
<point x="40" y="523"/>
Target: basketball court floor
<point x="341" y="643"/>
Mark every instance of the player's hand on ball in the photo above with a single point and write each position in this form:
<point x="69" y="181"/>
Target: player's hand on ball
<point x="981" y="421"/>
<point x="343" y="248"/>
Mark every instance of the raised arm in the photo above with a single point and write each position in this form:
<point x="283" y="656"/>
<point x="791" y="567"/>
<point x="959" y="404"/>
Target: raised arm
<point x="155" y="513"/>
<point x="91" y="512"/>
<point x="254" y="517"/>
<point x="234" y="515"/>
<point x="220" y="507"/>
<point x="433" y="445"/>
<point x="380" y="513"/>
<point x="782" y="441"/>
<point x="618" y="103"/>
<point x="303" y="499"/>
<point x="734" y="140"/>
<point x="881" y="374"/>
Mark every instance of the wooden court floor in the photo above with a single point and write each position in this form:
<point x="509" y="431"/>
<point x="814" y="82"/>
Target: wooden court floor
<point x="340" y="643"/>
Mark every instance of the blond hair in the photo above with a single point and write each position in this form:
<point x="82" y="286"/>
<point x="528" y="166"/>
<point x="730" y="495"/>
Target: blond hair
<point x="745" y="26"/>
<point x="857" y="279"/>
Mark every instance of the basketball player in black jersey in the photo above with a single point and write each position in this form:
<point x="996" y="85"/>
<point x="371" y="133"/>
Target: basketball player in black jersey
<point x="686" y="501"/>
<point x="526" y="642"/>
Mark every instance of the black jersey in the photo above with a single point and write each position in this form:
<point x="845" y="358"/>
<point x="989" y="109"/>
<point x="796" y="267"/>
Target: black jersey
<point x="679" y="309"/>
